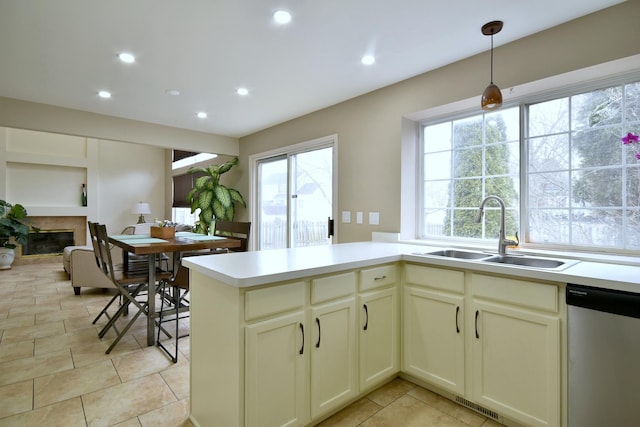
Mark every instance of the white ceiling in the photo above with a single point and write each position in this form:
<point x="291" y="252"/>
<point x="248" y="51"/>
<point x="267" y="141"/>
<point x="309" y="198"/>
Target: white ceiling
<point x="62" y="52"/>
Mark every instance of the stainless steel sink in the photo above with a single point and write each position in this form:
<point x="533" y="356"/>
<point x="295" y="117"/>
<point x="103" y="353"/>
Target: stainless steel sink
<point x="526" y="261"/>
<point x="454" y="253"/>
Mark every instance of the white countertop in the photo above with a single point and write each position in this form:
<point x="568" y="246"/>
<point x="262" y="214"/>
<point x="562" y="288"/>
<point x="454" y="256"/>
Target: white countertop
<point x="253" y="268"/>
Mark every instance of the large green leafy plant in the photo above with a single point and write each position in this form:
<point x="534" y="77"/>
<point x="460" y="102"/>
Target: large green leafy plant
<point x="14" y="225"/>
<point x="214" y="200"/>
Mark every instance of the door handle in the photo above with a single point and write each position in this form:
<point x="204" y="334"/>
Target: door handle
<point x="477" y="314"/>
<point x="457" y="314"/>
<point x="302" y="331"/>
<point x="318" y="323"/>
<point x="366" y="312"/>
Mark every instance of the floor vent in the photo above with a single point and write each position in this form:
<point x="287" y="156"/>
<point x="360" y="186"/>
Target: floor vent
<point x="484" y="411"/>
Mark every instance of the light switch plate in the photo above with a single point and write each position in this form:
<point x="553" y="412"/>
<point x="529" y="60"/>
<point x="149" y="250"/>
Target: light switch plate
<point x="359" y="217"/>
<point x="346" y="217"/>
<point x="374" y="218"/>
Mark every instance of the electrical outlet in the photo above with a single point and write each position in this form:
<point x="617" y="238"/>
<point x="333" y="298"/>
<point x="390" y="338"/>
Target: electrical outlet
<point x="374" y="218"/>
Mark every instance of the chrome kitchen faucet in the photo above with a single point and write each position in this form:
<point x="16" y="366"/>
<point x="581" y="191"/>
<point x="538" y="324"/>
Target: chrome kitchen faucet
<point x="503" y="242"/>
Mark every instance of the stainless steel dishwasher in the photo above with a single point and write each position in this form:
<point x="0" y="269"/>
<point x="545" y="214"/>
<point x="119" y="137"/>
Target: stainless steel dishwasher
<point x="604" y="357"/>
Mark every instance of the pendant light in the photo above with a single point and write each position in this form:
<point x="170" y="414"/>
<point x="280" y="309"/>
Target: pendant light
<point x="491" y="97"/>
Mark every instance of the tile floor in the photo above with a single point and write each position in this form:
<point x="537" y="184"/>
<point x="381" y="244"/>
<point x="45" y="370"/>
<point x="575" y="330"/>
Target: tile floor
<point x="54" y="372"/>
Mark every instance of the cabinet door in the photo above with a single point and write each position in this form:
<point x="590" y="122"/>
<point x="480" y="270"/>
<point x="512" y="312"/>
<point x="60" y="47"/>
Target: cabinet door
<point x="277" y="372"/>
<point x="378" y="327"/>
<point x="333" y="361"/>
<point x="516" y="363"/>
<point x="434" y="337"/>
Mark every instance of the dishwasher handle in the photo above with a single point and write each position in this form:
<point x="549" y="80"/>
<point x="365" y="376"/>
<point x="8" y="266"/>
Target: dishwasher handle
<point x="607" y="300"/>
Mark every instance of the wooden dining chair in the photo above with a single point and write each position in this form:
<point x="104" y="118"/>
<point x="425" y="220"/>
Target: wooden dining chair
<point x="234" y="230"/>
<point x="129" y="286"/>
<point x="173" y="308"/>
<point x="231" y="230"/>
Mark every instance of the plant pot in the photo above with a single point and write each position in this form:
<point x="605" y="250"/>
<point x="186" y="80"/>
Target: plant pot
<point x="6" y="258"/>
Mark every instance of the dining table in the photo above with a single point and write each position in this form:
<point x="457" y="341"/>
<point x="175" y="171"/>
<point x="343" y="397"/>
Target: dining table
<point x="144" y="244"/>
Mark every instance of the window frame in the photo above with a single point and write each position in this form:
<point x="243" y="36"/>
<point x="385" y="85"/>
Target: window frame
<point x="605" y="75"/>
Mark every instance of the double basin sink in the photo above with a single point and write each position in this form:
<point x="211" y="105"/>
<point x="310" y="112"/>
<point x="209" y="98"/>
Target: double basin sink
<point x="514" y="260"/>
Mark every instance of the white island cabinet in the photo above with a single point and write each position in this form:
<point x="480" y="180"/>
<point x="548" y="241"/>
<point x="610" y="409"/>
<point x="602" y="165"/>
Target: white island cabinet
<point x="378" y="326"/>
<point x="286" y="353"/>
<point x="289" y="337"/>
<point x="434" y="326"/>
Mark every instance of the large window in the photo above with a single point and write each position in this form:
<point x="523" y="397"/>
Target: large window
<point x="581" y="184"/>
<point x="466" y="160"/>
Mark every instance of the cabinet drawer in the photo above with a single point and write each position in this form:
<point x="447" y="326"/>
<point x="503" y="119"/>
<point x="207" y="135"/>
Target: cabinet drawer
<point x="277" y="299"/>
<point x="521" y="292"/>
<point x="377" y="277"/>
<point x="436" y="278"/>
<point x="333" y="287"/>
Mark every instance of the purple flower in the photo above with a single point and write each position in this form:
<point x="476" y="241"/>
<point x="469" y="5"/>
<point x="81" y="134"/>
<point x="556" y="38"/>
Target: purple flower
<point x="638" y="156"/>
<point x="630" y="139"/>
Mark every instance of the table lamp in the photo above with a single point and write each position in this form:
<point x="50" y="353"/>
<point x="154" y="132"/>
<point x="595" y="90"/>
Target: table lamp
<point x="141" y="209"/>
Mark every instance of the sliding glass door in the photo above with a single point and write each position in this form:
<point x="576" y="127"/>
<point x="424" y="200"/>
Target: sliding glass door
<point x="294" y="198"/>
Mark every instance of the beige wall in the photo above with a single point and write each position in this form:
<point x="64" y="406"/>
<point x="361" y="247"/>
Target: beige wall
<point x="40" y="117"/>
<point x="369" y="127"/>
<point x="45" y="172"/>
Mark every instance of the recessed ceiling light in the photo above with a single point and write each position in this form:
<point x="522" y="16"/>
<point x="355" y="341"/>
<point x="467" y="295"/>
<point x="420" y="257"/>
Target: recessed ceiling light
<point x="104" y="94"/>
<point x="242" y="91"/>
<point x="127" y="58"/>
<point x="282" y="17"/>
<point x="172" y="92"/>
<point x="368" y="59"/>
<point x="201" y="115"/>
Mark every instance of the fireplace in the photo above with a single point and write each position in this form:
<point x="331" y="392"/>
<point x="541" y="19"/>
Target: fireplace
<point x="47" y="243"/>
<point x="76" y="225"/>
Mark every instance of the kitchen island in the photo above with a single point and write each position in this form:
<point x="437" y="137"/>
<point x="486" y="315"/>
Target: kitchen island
<point x="292" y="336"/>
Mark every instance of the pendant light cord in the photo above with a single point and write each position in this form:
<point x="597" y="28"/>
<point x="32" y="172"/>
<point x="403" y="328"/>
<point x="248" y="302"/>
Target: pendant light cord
<point x="491" y="57"/>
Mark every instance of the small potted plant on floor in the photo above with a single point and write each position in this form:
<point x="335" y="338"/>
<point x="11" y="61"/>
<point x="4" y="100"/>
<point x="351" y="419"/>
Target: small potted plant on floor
<point x="14" y="230"/>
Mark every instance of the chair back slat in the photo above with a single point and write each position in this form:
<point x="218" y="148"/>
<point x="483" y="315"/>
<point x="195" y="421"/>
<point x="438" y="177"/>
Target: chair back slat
<point x="235" y="230"/>
<point x="93" y="232"/>
<point x="102" y="239"/>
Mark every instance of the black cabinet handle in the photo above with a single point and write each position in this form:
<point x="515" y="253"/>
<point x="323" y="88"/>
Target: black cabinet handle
<point x="457" y="313"/>
<point x="380" y="278"/>
<point x="302" y="330"/>
<point x="366" y="312"/>
<point x="318" y="323"/>
<point x="477" y="314"/>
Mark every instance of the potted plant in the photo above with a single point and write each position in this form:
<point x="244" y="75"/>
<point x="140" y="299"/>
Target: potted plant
<point x="14" y="230"/>
<point x="214" y="200"/>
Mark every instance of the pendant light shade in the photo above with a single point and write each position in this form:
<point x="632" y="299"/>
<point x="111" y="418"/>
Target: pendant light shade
<point x="491" y="97"/>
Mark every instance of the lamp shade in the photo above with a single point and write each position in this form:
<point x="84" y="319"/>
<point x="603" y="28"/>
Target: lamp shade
<point x="141" y="209"/>
<point x="491" y="98"/>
